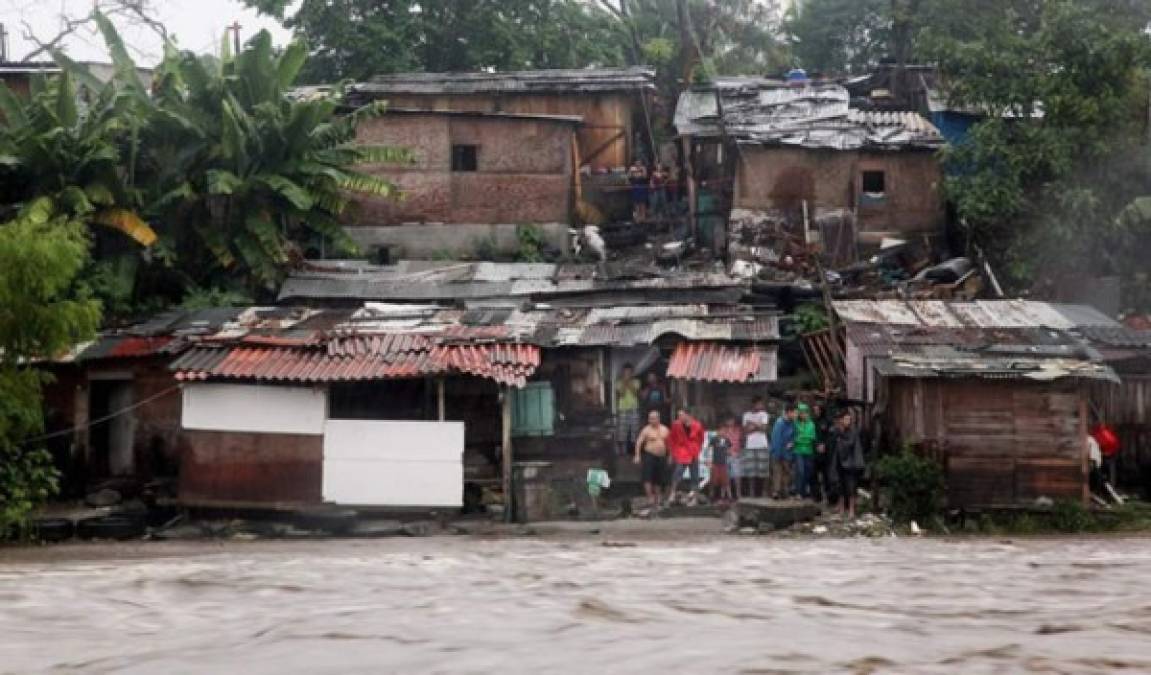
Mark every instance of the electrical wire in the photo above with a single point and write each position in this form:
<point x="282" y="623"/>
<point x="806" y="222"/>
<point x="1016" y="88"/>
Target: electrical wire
<point x="101" y="420"/>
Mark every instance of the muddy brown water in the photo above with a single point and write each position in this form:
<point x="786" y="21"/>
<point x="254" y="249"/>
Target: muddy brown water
<point x="465" y="605"/>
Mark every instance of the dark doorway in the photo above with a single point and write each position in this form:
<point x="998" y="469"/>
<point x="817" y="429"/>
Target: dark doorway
<point x="110" y="441"/>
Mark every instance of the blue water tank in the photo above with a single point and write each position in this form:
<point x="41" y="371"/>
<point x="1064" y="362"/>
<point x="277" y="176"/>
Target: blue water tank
<point x="797" y="76"/>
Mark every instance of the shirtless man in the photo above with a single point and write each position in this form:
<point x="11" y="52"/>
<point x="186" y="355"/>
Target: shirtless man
<point x="651" y="452"/>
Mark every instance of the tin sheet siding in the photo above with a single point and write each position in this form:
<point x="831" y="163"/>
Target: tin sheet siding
<point x="1127" y="408"/>
<point x="1003" y="442"/>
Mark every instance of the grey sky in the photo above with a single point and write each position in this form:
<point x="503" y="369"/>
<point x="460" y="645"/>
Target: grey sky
<point x="196" y="24"/>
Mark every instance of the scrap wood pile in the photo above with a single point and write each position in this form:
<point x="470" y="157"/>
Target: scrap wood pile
<point x="778" y="247"/>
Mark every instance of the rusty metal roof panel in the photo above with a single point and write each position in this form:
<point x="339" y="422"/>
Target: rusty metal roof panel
<point x="755" y="329"/>
<point x="360" y="359"/>
<point x="715" y="362"/>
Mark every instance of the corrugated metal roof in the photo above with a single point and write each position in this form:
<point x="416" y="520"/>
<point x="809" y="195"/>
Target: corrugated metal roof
<point x="1117" y="336"/>
<point x="485" y="281"/>
<point x="980" y="313"/>
<point x="529" y="117"/>
<point x="939" y="362"/>
<point x="521" y="81"/>
<point x="380" y="357"/>
<point x="715" y="362"/>
<point x="817" y="116"/>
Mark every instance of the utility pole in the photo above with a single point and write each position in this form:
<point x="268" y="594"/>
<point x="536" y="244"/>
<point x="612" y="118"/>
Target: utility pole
<point x="235" y="28"/>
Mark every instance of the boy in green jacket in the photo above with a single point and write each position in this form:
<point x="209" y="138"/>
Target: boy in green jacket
<point x="804" y="451"/>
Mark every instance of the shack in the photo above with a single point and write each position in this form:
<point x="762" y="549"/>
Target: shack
<point x="614" y="105"/>
<point x="998" y="391"/>
<point x="1127" y="407"/>
<point x="476" y="178"/>
<point x="800" y="159"/>
<point x="611" y="101"/>
<point x="407" y="385"/>
<point x="112" y="409"/>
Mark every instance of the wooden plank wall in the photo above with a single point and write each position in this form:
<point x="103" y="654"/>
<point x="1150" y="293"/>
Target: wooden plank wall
<point x="1127" y="408"/>
<point x="607" y="126"/>
<point x="1004" y="441"/>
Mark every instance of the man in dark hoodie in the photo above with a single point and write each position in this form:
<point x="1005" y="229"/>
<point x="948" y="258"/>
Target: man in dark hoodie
<point x="847" y="453"/>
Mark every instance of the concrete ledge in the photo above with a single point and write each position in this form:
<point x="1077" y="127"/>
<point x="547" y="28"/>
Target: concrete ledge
<point x="418" y="240"/>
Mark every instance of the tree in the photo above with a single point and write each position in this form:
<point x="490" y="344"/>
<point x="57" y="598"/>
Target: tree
<point x="245" y="178"/>
<point x="838" y="37"/>
<point x="43" y="250"/>
<point x="360" y="38"/>
<point x="1061" y="149"/>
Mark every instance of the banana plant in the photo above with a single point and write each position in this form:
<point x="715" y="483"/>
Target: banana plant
<point x="255" y="173"/>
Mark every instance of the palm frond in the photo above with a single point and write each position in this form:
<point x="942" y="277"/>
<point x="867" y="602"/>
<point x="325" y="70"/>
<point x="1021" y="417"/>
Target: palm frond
<point x="127" y="222"/>
<point x="296" y="195"/>
<point x="291" y="61"/>
<point x="221" y="182"/>
<point x="355" y="181"/>
<point x="12" y="108"/>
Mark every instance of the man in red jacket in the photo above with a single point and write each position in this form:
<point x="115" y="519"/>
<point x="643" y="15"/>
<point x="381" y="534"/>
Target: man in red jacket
<point x="685" y="442"/>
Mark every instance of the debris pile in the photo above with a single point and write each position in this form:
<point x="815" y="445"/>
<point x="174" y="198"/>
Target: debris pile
<point x="834" y="525"/>
<point x="781" y="249"/>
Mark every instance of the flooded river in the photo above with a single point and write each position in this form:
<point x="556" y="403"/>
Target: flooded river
<point x="464" y="605"/>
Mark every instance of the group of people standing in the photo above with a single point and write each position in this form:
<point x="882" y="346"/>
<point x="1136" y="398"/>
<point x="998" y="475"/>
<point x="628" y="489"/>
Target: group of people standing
<point x="806" y="453"/>
<point x="653" y="193"/>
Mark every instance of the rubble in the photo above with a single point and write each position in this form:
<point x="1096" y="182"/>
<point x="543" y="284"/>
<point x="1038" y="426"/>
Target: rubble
<point x="836" y="525"/>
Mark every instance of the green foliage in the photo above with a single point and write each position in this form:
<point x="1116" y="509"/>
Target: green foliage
<point x="839" y="36"/>
<point x="1043" y="180"/>
<point x="914" y="485"/>
<point x="487" y="248"/>
<point x="42" y="252"/>
<point x="207" y="298"/>
<point x="360" y="38"/>
<point x="531" y="243"/>
<point x="1069" y="516"/>
<point x="810" y="318"/>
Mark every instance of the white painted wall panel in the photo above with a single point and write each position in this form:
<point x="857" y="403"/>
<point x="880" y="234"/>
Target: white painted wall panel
<point x="394" y="463"/>
<point x="254" y="408"/>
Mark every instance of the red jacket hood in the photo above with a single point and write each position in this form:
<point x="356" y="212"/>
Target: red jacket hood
<point x="685" y="445"/>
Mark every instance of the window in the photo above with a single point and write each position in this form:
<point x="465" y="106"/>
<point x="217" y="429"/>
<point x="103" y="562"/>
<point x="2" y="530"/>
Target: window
<point x="533" y="410"/>
<point x="874" y="189"/>
<point x="465" y="157"/>
<point x="874" y="182"/>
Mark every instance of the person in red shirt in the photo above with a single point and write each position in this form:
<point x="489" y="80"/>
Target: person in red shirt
<point x="685" y="442"/>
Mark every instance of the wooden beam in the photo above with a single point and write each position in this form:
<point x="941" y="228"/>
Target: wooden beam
<point x="689" y="176"/>
<point x="506" y="452"/>
<point x="600" y="148"/>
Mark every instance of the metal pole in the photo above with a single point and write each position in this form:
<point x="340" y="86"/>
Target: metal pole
<point x="441" y="404"/>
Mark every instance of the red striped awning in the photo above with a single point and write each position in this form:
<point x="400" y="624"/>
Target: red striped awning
<point x="361" y="358"/>
<point x="715" y="362"/>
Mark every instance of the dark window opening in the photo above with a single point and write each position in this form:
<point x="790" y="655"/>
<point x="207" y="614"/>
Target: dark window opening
<point x="382" y="400"/>
<point x="874" y="182"/>
<point x="465" y="157"/>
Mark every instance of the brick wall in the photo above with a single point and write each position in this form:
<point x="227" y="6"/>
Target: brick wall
<point x="523" y="173"/>
<point x="782" y="178"/>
